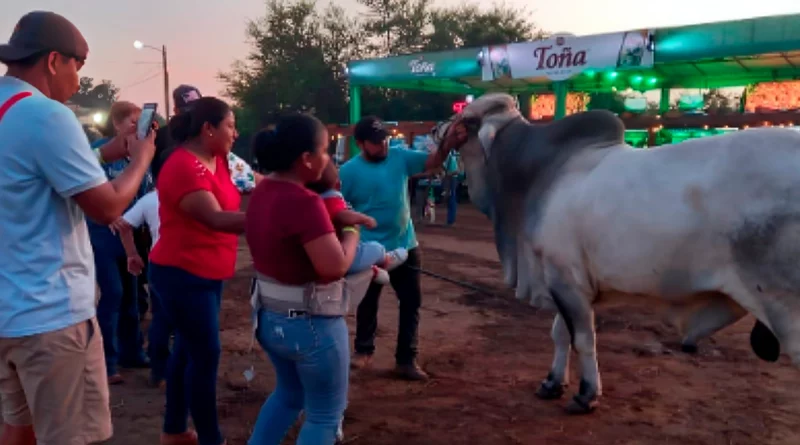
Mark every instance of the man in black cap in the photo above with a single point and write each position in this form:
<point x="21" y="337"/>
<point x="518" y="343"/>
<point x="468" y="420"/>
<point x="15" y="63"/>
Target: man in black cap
<point x="376" y="183"/>
<point x="51" y="352"/>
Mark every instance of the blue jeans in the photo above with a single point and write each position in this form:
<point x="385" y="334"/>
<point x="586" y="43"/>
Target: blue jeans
<point x="452" y="201"/>
<point x="368" y="254"/>
<point x="192" y="305"/>
<point x="158" y="337"/>
<point x="311" y="358"/>
<point x="118" y="308"/>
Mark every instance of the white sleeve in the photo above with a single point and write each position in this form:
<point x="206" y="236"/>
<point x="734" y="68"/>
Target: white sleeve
<point x="135" y="216"/>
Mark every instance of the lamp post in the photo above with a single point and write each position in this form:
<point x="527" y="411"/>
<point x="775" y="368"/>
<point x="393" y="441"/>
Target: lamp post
<point x="163" y="50"/>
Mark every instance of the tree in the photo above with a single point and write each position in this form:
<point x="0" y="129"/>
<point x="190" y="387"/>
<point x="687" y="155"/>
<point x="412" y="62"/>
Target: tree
<point x="468" y="26"/>
<point x="95" y="96"/>
<point x="299" y="53"/>
<point x="295" y="63"/>
<point x="396" y="26"/>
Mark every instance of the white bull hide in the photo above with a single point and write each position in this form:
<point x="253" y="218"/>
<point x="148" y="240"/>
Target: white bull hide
<point x="710" y="225"/>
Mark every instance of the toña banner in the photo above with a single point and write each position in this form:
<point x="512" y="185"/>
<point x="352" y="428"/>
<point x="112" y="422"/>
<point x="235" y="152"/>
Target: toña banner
<point x="563" y="56"/>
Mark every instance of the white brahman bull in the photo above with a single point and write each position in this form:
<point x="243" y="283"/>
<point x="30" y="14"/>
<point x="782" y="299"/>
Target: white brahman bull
<point x="710" y="225"/>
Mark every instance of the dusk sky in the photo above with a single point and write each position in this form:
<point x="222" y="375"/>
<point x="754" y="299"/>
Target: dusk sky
<point x="204" y="37"/>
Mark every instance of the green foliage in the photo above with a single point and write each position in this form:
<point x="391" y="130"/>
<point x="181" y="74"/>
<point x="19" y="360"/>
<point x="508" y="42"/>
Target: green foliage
<point x="95" y="96"/>
<point x="299" y="53"/>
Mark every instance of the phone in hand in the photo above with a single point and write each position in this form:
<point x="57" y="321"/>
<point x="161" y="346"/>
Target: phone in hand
<point x="146" y="119"/>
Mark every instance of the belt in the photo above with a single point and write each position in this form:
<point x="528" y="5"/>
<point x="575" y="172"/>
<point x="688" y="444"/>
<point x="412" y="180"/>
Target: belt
<point x="279" y="298"/>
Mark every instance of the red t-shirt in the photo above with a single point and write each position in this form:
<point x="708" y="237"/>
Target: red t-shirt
<point x="281" y="218"/>
<point x="183" y="241"/>
<point x="334" y="205"/>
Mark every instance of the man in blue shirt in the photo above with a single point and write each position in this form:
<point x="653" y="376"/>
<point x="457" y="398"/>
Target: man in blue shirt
<point x="53" y="385"/>
<point x="376" y="183"/>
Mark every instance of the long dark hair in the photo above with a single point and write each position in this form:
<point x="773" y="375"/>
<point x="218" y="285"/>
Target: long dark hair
<point x="188" y="124"/>
<point x="277" y="150"/>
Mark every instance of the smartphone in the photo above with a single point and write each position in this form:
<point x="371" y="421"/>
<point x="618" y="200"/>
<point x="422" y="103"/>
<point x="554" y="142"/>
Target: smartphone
<point x="146" y="119"/>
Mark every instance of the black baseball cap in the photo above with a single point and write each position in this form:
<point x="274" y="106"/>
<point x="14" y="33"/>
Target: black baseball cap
<point x="44" y="31"/>
<point x="184" y="95"/>
<point x="370" y="129"/>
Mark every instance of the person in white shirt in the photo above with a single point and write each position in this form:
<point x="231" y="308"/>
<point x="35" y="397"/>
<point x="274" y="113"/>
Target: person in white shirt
<point x="145" y="211"/>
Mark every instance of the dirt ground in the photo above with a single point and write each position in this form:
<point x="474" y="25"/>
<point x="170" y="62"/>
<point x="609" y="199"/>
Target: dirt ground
<point x="487" y="356"/>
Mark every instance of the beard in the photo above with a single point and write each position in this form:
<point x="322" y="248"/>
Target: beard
<point x="375" y="158"/>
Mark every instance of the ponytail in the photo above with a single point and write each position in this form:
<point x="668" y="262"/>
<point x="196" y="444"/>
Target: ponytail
<point x="188" y="125"/>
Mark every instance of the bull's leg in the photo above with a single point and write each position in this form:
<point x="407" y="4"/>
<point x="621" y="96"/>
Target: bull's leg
<point x="585" y="401"/>
<point x="578" y="316"/>
<point x="706" y="317"/>
<point x="553" y="386"/>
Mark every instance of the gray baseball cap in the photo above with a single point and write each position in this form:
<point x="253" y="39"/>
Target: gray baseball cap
<point x="44" y="31"/>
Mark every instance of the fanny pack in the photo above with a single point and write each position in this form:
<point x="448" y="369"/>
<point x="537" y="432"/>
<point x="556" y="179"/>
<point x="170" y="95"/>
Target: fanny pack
<point x="325" y="300"/>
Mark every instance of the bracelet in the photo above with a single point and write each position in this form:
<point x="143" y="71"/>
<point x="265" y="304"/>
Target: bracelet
<point x="349" y="229"/>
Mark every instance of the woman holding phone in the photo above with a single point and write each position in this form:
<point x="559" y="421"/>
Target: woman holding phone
<point x="117" y="310"/>
<point x="196" y="251"/>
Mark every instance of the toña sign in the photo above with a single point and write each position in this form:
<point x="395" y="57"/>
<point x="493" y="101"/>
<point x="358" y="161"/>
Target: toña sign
<point x="420" y="66"/>
<point x="556" y="60"/>
<point x="561" y="57"/>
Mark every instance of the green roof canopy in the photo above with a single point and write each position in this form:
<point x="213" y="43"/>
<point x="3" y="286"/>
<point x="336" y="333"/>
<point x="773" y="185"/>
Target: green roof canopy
<point x="710" y="55"/>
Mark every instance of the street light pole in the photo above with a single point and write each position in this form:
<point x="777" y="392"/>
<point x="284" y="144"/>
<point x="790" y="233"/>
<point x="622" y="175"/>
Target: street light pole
<point x="139" y="45"/>
<point x="166" y="81"/>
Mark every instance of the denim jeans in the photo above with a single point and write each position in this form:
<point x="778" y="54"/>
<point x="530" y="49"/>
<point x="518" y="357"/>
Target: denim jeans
<point x="158" y="337"/>
<point x="311" y="359"/>
<point x="118" y="308"/>
<point x="368" y="254"/>
<point x="452" y="200"/>
<point x="405" y="281"/>
<point x="192" y="305"/>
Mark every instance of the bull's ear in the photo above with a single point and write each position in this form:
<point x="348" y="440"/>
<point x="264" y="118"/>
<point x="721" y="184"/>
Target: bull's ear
<point x="486" y="136"/>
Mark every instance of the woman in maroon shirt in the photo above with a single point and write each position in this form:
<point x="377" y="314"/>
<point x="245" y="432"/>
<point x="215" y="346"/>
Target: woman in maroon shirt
<point x="294" y="247"/>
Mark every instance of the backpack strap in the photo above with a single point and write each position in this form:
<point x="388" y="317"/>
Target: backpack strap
<point x="11" y="101"/>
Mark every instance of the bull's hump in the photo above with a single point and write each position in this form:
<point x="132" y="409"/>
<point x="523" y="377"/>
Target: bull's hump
<point x="595" y="127"/>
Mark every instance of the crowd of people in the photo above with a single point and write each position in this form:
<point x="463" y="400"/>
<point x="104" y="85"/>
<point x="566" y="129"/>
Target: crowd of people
<point x="73" y="217"/>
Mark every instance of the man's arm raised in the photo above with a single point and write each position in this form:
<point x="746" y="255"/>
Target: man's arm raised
<point x="106" y="202"/>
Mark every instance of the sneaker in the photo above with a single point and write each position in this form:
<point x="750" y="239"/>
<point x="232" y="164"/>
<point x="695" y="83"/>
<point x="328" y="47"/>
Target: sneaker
<point x="380" y="276"/>
<point x="411" y="372"/>
<point x="360" y="361"/>
<point x="395" y="258"/>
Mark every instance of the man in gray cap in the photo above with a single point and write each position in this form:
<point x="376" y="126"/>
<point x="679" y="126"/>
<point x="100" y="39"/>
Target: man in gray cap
<point x="53" y="384"/>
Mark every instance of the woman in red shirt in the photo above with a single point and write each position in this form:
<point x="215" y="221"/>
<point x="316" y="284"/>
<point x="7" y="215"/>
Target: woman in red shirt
<point x="294" y="249"/>
<point x="196" y="251"/>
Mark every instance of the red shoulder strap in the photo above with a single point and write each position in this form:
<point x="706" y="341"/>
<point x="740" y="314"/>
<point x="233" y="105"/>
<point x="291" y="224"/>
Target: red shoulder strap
<point x="11" y="101"/>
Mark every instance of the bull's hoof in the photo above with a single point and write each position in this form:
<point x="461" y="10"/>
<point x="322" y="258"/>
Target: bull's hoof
<point x="550" y="390"/>
<point x="689" y="348"/>
<point x="582" y="405"/>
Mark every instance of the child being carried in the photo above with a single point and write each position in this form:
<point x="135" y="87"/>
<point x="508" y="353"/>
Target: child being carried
<point x="370" y="254"/>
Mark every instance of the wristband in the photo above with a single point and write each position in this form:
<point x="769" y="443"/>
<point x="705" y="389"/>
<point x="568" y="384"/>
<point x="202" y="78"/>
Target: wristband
<point x="349" y="229"/>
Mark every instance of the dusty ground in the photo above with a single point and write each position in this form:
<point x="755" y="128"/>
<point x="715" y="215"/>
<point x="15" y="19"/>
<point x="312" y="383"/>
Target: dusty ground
<point x="487" y="356"/>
